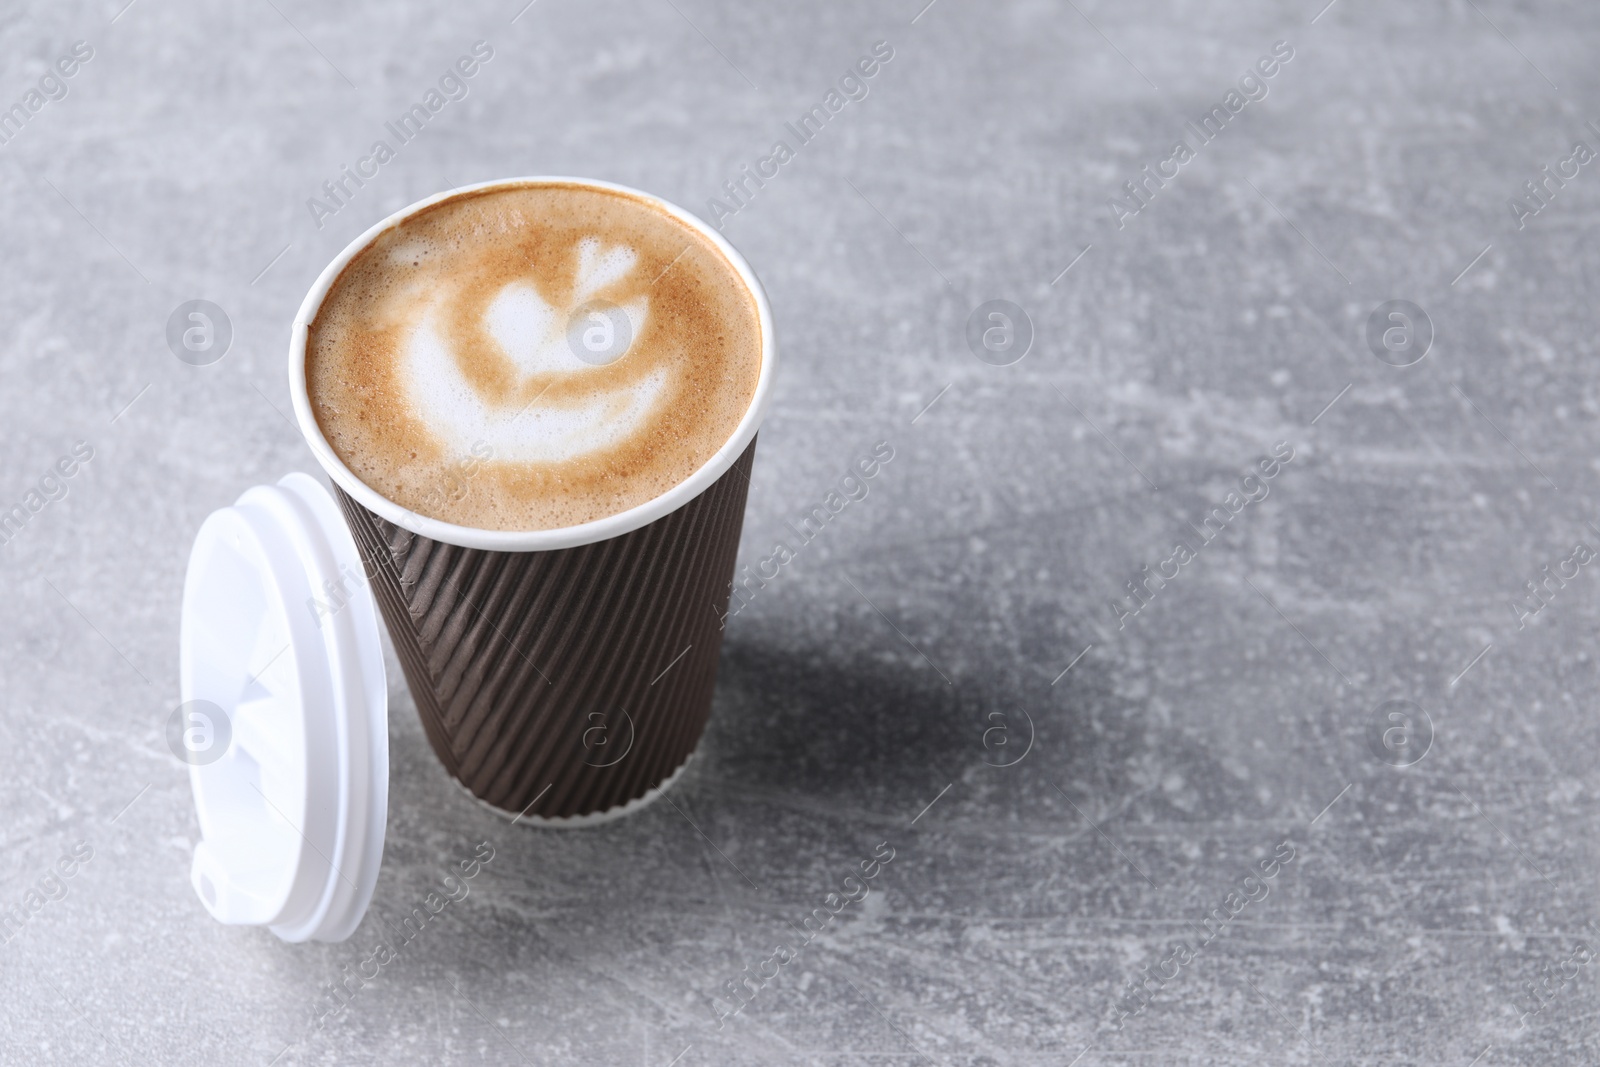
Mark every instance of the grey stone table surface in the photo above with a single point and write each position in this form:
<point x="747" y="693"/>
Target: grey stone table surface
<point x="1320" y="789"/>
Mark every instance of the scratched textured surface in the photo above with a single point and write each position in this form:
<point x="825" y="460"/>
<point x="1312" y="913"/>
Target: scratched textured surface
<point x="1438" y="902"/>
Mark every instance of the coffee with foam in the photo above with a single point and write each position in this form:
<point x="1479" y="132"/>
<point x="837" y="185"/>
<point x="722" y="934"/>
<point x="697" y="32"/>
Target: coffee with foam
<point x="533" y="356"/>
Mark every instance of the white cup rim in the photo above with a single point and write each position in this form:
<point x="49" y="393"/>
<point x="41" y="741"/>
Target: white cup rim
<point x="530" y="540"/>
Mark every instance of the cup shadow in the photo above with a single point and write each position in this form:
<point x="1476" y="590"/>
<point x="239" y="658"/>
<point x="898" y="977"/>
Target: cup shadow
<point x="884" y="734"/>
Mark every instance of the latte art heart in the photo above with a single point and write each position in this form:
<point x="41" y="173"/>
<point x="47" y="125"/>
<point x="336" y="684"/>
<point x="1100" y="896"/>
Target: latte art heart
<point x="537" y="340"/>
<point x="580" y="351"/>
<point x="534" y="432"/>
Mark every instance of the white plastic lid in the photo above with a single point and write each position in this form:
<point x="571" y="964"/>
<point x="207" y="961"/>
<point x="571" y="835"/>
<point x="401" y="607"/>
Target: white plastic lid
<point x="282" y="678"/>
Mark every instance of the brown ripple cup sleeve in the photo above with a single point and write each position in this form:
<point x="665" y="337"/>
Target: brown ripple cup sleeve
<point x="568" y="682"/>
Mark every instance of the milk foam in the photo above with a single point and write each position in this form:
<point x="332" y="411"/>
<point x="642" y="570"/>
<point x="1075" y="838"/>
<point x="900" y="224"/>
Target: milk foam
<point x="461" y="340"/>
<point x="535" y="432"/>
<point x="535" y="337"/>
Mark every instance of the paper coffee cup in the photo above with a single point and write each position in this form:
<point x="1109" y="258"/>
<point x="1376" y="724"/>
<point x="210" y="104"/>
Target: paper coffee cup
<point x="561" y="675"/>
